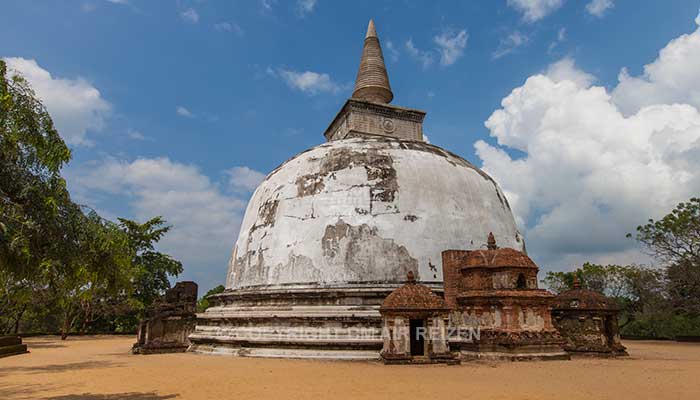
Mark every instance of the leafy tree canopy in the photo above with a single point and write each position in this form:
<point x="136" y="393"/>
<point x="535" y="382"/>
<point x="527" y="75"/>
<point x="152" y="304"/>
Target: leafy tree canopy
<point x="62" y="263"/>
<point x="203" y="303"/>
<point x="152" y="267"/>
<point x="675" y="238"/>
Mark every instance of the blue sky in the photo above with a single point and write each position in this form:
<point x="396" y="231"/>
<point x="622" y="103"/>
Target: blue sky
<point x="179" y="107"/>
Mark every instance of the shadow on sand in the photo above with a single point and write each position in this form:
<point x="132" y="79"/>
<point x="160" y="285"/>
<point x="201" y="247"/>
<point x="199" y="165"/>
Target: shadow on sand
<point x="25" y="392"/>
<point x="115" y="396"/>
<point x="44" y="344"/>
<point x="33" y="392"/>
<point x="53" y="368"/>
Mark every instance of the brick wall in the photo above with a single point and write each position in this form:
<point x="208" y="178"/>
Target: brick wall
<point x="452" y="260"/>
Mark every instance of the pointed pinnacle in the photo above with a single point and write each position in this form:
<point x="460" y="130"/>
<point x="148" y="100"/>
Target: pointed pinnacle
<point x="372" y="83"/>
<point x="371" y="32"/>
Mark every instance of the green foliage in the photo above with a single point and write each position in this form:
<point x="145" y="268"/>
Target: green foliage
<point x="637" y="289"/>
<point x="62" y="268"/>
<point x="663" y="325"/>
<point x="203" y="303"/>
<point x="152" y="267"/>
<point x="35" y="207"/>
<point x="590" y="276"/>
<point x="101" y="271"/>
<point x="684" y="287"/>
<point x="675" y="238"/>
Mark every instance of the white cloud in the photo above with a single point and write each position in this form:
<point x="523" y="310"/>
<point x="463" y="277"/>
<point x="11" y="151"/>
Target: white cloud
<point x="561" y="38"/>
<point x="88" y="7"/>
<point x="136" y="135"/>
<point x="561" y="35"/>
<point x="184" y="112"/>
<point x="590" y="173"/>
<point x="598" y="7"/>
<point x="118" y="1"/>
<point x="308" y="82"/>
<point x="243" y="178"/>
<point x="672" y="78"/>
<point x="229" y="27"/>
<point x="305" y="7"/>
<point x="697" y="19"/>
<point x="451" y="46"/>
<point x="510" y="43"/>
<point x="393" y="51"/>
<point x="75" y="105"/>
<point x="190" y="15"/>
<point x="205" y="220"/>
<point x="424" y="57"/>
<point x="534" y="10"/>
<point x="565" y="70"/>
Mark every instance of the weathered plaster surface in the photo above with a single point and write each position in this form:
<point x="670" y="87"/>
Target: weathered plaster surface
<point x="366" y="210"/>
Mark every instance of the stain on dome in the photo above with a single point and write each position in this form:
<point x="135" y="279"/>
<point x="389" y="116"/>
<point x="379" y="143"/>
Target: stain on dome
<point x="364" y="252"/>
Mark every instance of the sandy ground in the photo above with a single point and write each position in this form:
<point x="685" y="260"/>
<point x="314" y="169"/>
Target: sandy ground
<point x="101" y="368"/>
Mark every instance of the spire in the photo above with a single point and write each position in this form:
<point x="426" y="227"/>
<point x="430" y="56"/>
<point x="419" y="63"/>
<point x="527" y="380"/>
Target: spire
<point x="371" y="32"/>
<point x="372" y="83"/>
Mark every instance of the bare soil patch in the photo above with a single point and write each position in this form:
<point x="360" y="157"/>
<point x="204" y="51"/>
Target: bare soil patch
<point x="102" y="368"/>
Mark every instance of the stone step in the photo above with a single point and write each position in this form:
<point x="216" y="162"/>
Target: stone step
<point x="351" y="342"/>
<point x="14" y="349"/>
<point x="10" y="340"/>
<point x="310" y="312"/>
<point x="326" y="354"/>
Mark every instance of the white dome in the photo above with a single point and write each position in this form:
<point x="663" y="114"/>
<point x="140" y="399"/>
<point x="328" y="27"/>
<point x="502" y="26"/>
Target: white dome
<point x="365" y="211"/>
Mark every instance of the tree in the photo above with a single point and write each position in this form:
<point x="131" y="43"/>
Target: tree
<point x="59" y="263"/>
<point x="675" y="238"/>
<point x="203" y="303"/>
<point x="152" y="268"/>
<point x="637" y="289"/>
<point x="101" y="269"/>
<point x="608" y="279"/>
<point x="35" y="207"/>
<point x="34" y="201"/>
<point x="15" y="296"/>
<point x="684" y="287"/>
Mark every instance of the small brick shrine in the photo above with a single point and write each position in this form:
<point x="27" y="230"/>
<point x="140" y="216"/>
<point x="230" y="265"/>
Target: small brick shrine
<point x="414" y="326"/>
<point x="495" y="290"/>
<point x="588" y="322"/>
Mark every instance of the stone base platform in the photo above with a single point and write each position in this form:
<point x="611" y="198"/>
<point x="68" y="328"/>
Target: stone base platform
<point x="511" y="346"/>
<point x="341" y="323"/>
<point x="516" y="354"/>
<point x="158" y="349"/>
<point x="11" y="345"/>
<point x="597" y="354"/>
<point x="451" y="359"/>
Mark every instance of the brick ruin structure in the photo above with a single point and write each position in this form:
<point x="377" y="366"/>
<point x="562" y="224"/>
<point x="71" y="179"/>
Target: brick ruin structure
<point x="414" y="326"/>
<point x="588" y="322"/>
<point x="169" y="322"/>
<point x="12" y="345"/>
<point x="495" y="291"/>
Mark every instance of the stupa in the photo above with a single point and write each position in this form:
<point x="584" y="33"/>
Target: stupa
<point x="332" y="231"/>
